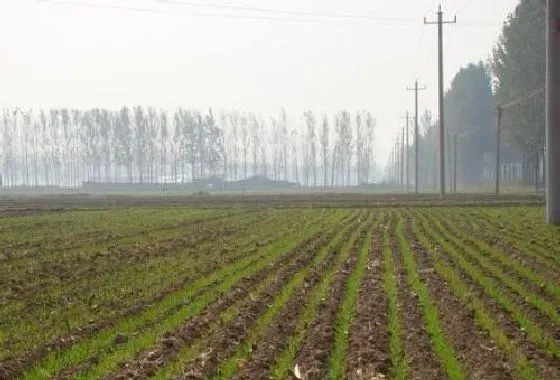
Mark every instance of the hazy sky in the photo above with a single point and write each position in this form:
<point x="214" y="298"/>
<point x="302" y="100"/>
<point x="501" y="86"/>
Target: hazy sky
<point x="194" y="56"/>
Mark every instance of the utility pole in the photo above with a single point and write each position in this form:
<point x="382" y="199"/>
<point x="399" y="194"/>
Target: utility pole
<point x="398" y="162"/>
<point x="402" y="161"/>
<point x="440" y="23"/>
<point x="396" y="154"/>
<point x="499" y="113"/>
<point x="455" y="163"/>
<point x="416" y="132"/>
<point x="393" y="164"/>
<point x="544" y="166"/>
<point x="396" y="165"/>
<point x="449" y="158"/>
<point x="407" y="159"/>
<point x="553" y="113"/>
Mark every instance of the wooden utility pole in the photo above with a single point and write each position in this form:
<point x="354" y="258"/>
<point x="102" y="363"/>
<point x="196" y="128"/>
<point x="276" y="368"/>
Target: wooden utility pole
<point x="402" y="160"/>
<point x="440" y="23"/>
<point x="396" y="163"/>
<point x="407" y="159"/>
<point x="416" y="132"/>
<point x="394" y="176"/>
<point x="455" y="163"/>
<point x="499" y="113"/>
<point x="553" y="113"/>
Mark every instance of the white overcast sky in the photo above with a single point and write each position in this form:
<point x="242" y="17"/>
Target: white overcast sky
<point x="61" y="55"/>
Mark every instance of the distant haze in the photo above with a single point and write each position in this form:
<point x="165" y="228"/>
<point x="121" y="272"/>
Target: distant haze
<point x="59" y="55"/>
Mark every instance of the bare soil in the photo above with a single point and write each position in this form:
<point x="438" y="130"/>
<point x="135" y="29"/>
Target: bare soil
<point x="277" y="335"/>
<point x="16" y="366"/>
<point x="422" y="360"/>
<point x="480" y="357"/>
<point x="147" y="362"/>
<point x="313" y="356"/>
<point x="26" y="206"/>
<point x="531" y="312"/>
<point x="548" y="366"/>
<point x="368" y="355"/>
<point x="222" y="343"/>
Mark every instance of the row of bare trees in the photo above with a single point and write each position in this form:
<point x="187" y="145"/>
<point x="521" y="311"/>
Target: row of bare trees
<point x="62" y="147"/>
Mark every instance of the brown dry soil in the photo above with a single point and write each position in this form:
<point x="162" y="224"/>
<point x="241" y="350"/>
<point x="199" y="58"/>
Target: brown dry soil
<point x="531" y="313"/>
<point x="368" y="356"/>
<point x="223" y="342"/>
<point x="277" y="335"/>
<point x="14" y="367"/>
<point x="82" y="267"/>
<point x="313" y="357"/>
<point x="258" y="366"/>
<point x="546" y="272"/>
<point x="548" y="367"/>
<point x="25" y="206"/>
<point x="368" y="338"/>
<point x="147" y="362"/>
<point x="421" y="358"/>
<point x="480" y="357"/>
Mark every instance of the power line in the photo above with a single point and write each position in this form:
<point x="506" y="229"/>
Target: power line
<point x="103" y="6"/>
<point x="175" y="13"/>
<point x="421" y="68"/>
<point x="284" y="12"/>
<point x="319" y="17"/>
<point x="523" y="98"/>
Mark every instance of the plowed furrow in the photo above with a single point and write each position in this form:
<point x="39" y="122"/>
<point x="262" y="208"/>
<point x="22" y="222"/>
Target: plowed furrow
<point x="314" y="354"/>
<point x="149" y="361"/>
<point x="100" y="353"/>
<point x="419" y="354"/>
<point x="478" y="353"/>
<point x="263" y="357"/>
<point x="220" y="344"/>
<point x="497" y="229"/>
<point x="277" y="336"/>
<point x="91" y="238"/>
<point x="235" y="336"/>
<point x="518" y="253"/>
<point x="15" y="367"/>
<point x="368" y="355"/>
<point x="548" y="367"/>
<point x="498" y="260"/>
<point x="544" y="318"/>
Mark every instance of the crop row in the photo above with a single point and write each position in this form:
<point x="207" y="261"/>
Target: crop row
<point x="162" y="281"/>
<point x="334" y="294"/>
